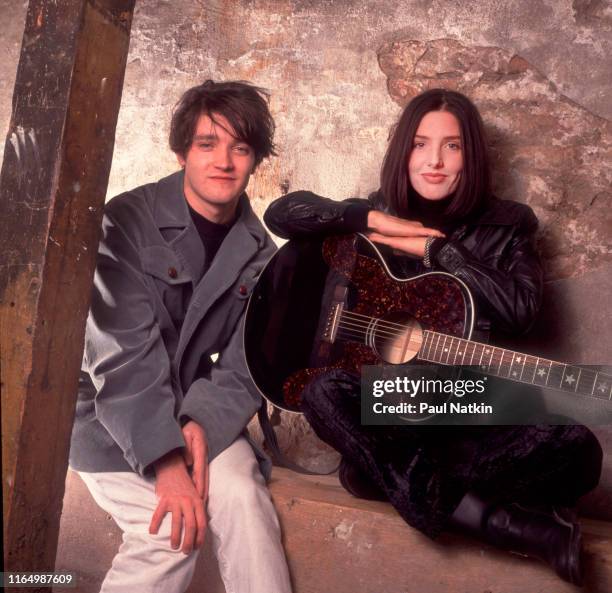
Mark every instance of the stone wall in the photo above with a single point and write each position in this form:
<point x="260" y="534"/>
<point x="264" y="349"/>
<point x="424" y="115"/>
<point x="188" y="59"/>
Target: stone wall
<point x="547" y="150"/>
<point x="339" y="71"/>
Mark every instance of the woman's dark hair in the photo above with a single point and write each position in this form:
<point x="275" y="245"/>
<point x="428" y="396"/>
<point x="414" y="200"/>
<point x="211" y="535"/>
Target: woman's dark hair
<point x="242" y="104"/>
<point x="473" y="187"/>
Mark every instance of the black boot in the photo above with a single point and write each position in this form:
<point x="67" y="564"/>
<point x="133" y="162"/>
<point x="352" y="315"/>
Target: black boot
<point x="357" y="483"/>
<point x="551" y="538"/>
<point x="548" y="537"/>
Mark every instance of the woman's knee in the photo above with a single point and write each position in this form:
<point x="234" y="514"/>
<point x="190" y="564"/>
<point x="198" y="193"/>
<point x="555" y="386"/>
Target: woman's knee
<point x="589" y="456"/>
<point x="585" y="456"/>
<point x="330" y="390"/>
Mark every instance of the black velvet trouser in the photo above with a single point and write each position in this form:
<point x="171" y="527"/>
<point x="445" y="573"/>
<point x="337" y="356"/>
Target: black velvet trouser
<point x="426" y="470"/>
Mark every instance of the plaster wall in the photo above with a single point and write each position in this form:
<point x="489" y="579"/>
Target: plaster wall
<point x="320" y="59"/>
<point x="339" y="72"/>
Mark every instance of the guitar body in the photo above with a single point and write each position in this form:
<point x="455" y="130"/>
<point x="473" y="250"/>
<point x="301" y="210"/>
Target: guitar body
<point x="333" y="302"/>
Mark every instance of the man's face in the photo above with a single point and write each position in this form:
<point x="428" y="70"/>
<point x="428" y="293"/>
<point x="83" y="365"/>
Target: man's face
<point x="217" y="169"/>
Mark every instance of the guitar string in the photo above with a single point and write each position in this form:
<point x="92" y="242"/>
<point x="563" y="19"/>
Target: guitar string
<point x="363" y="331"/>
<point x="348" y="336"/>
<point x="361" y="334"/>
<point x="388" y="324"/>
<point x="379" y="323"/>
<point x="431" y="333"/>
<point x="366" y="329"/>
<point x="357" y="323"/>
<point x="356" y="333"/>
<point x="352" y="333"/>
<point x="495" y="359"/>
<point x="530" y="364"/>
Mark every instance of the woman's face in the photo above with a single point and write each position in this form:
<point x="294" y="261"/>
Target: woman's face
<point x="436" y="160"/>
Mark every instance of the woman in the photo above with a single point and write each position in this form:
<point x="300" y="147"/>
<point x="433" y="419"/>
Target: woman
<point x="436" y="211"/>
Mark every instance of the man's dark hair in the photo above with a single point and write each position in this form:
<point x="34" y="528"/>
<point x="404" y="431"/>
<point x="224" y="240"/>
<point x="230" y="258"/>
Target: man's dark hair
<point x="242" y="104"/>
<point x="473" y="187"/>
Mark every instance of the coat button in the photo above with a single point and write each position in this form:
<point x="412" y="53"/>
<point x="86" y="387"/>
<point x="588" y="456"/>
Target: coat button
<point x="172" y="272"/>
<point x="242" y="290"/>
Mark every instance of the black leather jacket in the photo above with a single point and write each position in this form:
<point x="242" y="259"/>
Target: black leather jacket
<point x="493" y="253"/>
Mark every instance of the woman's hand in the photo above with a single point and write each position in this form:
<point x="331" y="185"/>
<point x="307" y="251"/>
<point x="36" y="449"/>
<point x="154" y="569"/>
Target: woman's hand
<point x="407" y="236"/>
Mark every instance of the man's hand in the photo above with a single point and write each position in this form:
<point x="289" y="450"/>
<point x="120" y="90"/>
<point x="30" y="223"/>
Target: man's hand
<point x="178" y="495"/>
<point x="196" y="456"/>
<point x="407" y="236"/>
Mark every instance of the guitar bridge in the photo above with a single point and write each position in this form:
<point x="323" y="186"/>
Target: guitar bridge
<point x="333" y="319"/>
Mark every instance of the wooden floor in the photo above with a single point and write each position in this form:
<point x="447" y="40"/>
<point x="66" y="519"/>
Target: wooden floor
<point x="338" y="544"/>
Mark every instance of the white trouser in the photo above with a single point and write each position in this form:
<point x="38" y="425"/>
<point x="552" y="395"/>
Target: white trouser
<point x="242" y="523"/>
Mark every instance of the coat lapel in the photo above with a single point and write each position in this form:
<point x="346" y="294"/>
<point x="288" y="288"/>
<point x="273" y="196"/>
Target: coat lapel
<point x="188" y="246"/>
<point x="171" y="212"/>
<point x="245" y="239"/>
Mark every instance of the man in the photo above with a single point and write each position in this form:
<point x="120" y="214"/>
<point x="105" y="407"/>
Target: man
<point x="164" y="397"/>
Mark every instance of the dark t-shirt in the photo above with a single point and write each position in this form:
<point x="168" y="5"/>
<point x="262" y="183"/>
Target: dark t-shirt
<point x="211" y="233"/>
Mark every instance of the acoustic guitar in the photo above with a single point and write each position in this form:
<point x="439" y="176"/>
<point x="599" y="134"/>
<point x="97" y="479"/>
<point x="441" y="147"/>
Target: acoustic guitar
<point x="334" y="302"/>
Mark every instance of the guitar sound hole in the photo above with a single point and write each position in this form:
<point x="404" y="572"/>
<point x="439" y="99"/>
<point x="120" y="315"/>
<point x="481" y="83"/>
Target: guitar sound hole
<point x="396" y="338"/>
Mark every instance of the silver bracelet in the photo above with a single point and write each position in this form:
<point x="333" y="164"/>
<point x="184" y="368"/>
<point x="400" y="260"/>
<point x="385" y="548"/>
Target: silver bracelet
<point x="426" y="258"/>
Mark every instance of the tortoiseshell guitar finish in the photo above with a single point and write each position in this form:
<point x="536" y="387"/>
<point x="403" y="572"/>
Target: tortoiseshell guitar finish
<point x="290" y="305"/>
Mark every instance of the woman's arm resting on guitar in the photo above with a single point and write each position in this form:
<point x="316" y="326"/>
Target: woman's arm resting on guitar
<point x="302" y="213"/>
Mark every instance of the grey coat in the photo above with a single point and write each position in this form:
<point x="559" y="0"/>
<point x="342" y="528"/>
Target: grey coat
<point x="154" y="322"/>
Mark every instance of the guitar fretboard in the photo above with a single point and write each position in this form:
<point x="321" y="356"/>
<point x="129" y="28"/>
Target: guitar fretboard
<point x="449" y="350"/>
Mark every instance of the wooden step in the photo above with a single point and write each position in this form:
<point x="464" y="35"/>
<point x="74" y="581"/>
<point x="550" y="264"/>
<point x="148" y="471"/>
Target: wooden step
<point x="338" y="544"/>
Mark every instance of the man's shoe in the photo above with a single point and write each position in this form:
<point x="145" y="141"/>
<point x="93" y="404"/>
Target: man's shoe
<point x="357" y="483"/>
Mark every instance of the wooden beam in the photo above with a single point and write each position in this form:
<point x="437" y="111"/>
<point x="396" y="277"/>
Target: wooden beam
<point x="52" y="186"/>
